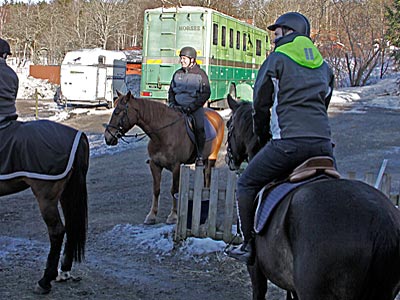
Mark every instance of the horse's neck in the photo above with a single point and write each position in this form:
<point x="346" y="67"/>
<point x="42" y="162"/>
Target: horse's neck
<point x="248" y="138"/>
<point x="153" y="116"/>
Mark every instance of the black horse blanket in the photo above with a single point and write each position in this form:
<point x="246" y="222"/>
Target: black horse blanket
<point x="37" y="149"/>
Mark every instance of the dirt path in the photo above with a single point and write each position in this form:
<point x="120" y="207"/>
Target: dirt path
<point x="120" y="264"/>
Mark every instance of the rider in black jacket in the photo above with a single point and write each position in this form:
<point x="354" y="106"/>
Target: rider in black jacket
<point x="294" y="87"/>
<point x="8" y="85"/>
<point x="189" y="91"/>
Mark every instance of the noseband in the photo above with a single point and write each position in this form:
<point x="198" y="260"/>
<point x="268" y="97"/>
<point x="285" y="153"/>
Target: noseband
<point x="120" y="132"/>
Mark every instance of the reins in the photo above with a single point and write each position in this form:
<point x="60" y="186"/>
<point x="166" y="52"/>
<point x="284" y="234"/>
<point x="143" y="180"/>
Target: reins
<point x="120" y="132"/>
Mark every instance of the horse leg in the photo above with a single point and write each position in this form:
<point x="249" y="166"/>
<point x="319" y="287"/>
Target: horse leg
<point x="156" y="173"/>
<point x="259" y="282"/>
<point x="210" y="163"/>
<point x="173" y="215"/>
<point x="66" y="260"/>
<point x="51" y="216"/>
<point x="66" y="264"/>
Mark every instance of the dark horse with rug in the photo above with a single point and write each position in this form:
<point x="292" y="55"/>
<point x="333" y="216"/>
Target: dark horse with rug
<point x="171" y="141"/>
<point x="52" y="160"/>
<point x="328" y="238"/>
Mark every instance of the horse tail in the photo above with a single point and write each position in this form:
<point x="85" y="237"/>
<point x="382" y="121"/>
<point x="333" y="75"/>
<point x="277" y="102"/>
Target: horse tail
<point x="74" y="201"/>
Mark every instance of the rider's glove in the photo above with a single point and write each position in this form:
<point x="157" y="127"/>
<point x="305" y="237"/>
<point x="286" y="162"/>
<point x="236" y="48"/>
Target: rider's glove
<point x="188" y="110"/>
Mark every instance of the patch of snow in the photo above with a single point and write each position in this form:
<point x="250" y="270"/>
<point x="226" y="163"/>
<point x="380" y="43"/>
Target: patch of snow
<point x="159" y="240"/>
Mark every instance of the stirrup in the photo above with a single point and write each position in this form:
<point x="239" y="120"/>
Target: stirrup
<point x="242" y="253"/>
<point x="199" y="162"/>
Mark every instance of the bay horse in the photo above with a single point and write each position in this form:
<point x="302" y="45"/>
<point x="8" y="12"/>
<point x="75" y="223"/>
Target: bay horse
<point x="328" y="239"/>
<point x="71" y="192"/>
<point x="169" y="145"/>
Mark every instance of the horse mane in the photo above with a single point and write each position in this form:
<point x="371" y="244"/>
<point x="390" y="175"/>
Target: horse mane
<point x="159" y="110"/>
<point x="243" y="124"/>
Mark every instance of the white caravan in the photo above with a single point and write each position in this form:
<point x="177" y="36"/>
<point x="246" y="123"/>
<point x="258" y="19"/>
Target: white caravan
<point x="92" y="77"/>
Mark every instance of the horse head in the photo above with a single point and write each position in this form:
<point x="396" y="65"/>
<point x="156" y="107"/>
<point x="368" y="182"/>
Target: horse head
<point x="242" y="143"/>
<point x="123" y="118"/>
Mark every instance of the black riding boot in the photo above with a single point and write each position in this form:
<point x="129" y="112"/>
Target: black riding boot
<point x="246" y="251"/>
<point x="200" y="142"/>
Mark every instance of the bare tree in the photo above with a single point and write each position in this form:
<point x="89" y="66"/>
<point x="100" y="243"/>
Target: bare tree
<point x="350" y="33"/>
<point x="105" y="17"/>
<point x="3" y="17"/>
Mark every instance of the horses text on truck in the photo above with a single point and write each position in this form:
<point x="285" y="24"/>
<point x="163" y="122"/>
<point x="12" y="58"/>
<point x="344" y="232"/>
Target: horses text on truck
<point x="229" y="50"/>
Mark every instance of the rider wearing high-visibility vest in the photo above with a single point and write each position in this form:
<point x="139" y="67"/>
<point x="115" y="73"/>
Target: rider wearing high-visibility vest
<point x="292" y="92"/>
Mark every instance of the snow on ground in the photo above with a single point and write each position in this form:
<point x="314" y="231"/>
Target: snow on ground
<point x="383" y="94"/>
<point x="159" y="239"/>
<point x="29" y="86"/>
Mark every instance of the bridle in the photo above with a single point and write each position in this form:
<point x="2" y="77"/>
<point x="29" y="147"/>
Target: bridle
<point x="229" y="157"/>
<point x="120" y="132"/>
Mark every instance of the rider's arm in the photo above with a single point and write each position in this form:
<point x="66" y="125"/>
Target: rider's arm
<point x="204" y="92"/>
<point x="171" y="93"/>
<point x="262" y="102"/>
<point x="329" y="94"/>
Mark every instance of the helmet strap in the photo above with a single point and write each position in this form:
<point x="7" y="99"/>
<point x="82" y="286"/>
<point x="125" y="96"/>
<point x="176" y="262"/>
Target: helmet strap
<point x="192" y="63"/>
<point x="285" y="30"/>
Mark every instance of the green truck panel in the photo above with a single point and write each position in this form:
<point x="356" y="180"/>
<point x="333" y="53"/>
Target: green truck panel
<point x="229" y="50"/>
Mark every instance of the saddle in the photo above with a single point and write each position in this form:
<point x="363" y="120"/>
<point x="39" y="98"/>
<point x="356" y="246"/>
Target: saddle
<point x="313" y="169"/>
<point x="208" y="128"/>
<point x="313" y="166"/>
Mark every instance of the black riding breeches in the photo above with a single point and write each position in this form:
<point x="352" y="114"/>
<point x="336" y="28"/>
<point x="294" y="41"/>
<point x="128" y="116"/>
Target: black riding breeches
<point x="198" y="118"/>
<point x="276" y="159"/>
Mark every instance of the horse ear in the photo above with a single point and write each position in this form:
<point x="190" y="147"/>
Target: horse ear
<point x="129" y="96"/>
<point x="118" y="93"/>
<point x="233" y="104"/>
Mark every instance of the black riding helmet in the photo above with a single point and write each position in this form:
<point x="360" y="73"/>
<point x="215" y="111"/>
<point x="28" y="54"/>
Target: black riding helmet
<point x="4" y="47"/>
<point x="188" y="52"/>
<point x="294" y="21"/>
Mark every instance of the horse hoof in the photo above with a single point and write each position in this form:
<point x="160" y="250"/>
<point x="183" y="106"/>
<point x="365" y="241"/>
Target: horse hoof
<point x="171" y="220"/>
<point x="149" y="221"/>
<point x="41" y="291"/>
<point x="63" y="276"/>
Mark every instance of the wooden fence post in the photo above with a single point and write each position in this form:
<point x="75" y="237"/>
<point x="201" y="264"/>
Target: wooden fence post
<point x="380" y="174"/>
<point x="212" y="210"/>
<point x="183" y="200"/>
<point x="351" y="175"/>
<point x="385" y="184"/>
<point x="197" y="195"/>
<point x="369" y="178"/>
<point x="229" y="204"/>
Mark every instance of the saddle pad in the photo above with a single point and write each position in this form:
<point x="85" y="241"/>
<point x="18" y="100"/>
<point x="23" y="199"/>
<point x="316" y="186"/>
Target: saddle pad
<point x="267" y="201"/>
<point x="208" y="128"/>
<point x="37" y="149"/>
